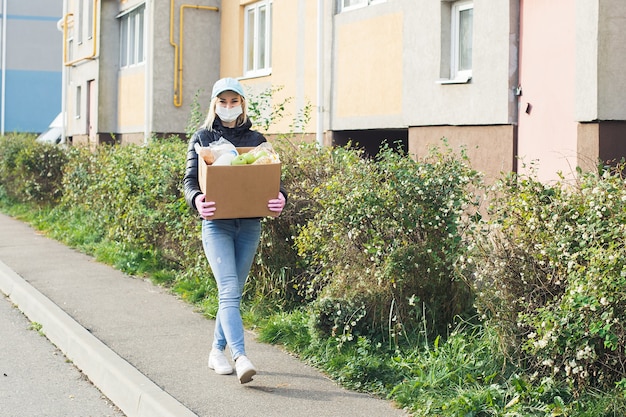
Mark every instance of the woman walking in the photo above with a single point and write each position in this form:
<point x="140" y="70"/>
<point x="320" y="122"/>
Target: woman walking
<point x="229" y="244"/>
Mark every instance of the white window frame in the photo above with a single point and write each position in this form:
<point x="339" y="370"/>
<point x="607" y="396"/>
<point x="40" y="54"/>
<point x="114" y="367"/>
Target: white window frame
<point x="132" y="37"/>
<point x="456" y="73"/>
<point x="257" y="39"/>
<point x="347" y="5"/>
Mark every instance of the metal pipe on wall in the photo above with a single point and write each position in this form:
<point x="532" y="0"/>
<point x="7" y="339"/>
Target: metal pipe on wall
<point x="94" y="34"/>
<point x="147" y="129"/>
<point x="4" y="65"/>
<point x="319" y="134"/>
<point x="178" y="48"/>
<point x="64" y="70"/>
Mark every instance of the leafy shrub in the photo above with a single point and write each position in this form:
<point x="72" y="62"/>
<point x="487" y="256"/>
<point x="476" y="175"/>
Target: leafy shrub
<point x="31" y="171"/>
<point x="547" y="268"/>
<point x="387" y="233"/>
<point x="133" y="193"/>
<point x="550" y="272"/>
<point x="280" y="272"/>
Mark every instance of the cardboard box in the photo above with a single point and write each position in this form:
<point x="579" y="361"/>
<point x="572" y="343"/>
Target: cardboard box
<point x="240" y="191"/>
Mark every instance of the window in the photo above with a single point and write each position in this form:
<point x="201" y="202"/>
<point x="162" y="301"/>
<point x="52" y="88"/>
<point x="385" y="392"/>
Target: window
<point x="132" y="37"/>
<point x="80" y="18"/>
<point x="345" y="5"/>
<point x="78" y="101"/>
<point x="462" y="23"/>
<point x="70" y="49"/>
<point x="90" y="19"/>
<point x="257" y="59"/>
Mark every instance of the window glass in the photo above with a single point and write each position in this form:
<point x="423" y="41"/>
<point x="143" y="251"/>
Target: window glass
<point x="462" y="26"/>
<point x="465" y="39"/>
<point x="79" y="30"/>
<point x="132" y="37"/>
<point x="139" y="40"/>
<point x="262" y="34"/>
<point x="78" y="101"/>
<point x="124" y="42"/>
<point x="251" y="30"/>
<point x="70" y="49"/>
<point x="258" y="38"/>
<point x="352" y="3"/>
<point x="345" y="5"/>
<point x="131" y="40"/>
<point x="89" y="19"/>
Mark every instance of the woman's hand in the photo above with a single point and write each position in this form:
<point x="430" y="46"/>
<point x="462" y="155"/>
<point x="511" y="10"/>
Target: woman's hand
<point x="278" y="204"/>
<point x="206" y="209"/>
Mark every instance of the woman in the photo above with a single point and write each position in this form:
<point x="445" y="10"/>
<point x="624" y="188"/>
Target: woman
<point x="229" y="244"/>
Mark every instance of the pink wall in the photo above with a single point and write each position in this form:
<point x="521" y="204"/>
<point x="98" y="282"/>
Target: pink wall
<point x="547" y="127"/>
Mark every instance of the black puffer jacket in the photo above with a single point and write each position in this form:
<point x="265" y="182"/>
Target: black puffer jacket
<point x="240" y="136"/>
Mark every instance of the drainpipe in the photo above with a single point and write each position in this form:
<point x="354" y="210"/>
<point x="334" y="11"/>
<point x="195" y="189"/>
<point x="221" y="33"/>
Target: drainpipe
<point x="64" y="71"/>
<point x="320" y="74"/>
<point x="4" y="65"/>
<point x="148" y="73"/>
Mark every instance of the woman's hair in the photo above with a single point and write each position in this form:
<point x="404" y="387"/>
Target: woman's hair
<point x="210" y="118"/>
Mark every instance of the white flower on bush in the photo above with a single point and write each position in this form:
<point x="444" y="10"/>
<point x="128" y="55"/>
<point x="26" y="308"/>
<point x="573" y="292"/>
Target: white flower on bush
<point x="585" y="353"/>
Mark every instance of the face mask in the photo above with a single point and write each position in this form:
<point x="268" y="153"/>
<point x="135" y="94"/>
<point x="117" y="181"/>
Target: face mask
<point x="228" y="114"/>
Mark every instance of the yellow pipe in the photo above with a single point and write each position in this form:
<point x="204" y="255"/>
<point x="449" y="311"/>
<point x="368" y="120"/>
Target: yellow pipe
<point x="175" y="50"/>
<point x="178" y="50"/>
<point x="65" y="35"/>
<point x="93" y="37"/>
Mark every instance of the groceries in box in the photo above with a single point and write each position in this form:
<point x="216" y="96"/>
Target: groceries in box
<point x="222" y="152"/>
<point x="241" y="181"/>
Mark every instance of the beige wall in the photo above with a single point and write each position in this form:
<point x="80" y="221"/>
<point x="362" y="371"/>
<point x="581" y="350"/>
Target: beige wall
<point x="131" y="104"/>
<point x="294" y="61"/>
<point x="369" y="68"/>
<point x="601" y="141"/>
<point x="490" y="149"/>
<point x="231" y="38"/>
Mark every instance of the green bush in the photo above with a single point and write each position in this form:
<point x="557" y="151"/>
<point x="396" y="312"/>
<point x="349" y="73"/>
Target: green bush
<point x="280" y="273"/>
<point x="31" y="171"/>
<point x="386" y="233"/>
<point x="134" y="194"/>
<point x="368" y="251"/>
<point x="550" y="273"/>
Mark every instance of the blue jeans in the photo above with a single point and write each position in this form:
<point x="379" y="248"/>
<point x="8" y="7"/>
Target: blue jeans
<point x="230" y="246"/>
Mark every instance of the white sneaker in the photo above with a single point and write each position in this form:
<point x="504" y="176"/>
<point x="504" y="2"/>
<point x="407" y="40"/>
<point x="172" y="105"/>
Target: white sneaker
<point x="219" y="363"/>
<point x="245" y="369"/>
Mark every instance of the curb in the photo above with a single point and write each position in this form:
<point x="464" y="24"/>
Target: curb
<point x="123" y="384"/>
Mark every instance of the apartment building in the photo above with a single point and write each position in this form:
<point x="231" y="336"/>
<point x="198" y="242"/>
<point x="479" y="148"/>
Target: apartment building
<point x="30" y="64"/>
<point x="515" y="82"/>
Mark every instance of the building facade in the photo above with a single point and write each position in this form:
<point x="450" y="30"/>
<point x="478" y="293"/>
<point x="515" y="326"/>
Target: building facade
<point x="30" y="64"/>
<point x="514" y="82"/>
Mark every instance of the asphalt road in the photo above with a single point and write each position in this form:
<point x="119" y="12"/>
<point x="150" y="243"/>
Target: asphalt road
<point x="36" y="379"/>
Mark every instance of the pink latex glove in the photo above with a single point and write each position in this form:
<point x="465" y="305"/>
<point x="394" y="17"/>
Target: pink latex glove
<point x="278" y="204"/>
<point x="206" y="209"/>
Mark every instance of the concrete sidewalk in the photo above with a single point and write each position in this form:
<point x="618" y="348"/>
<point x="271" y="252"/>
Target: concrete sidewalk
<point x="147" y="350"/>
